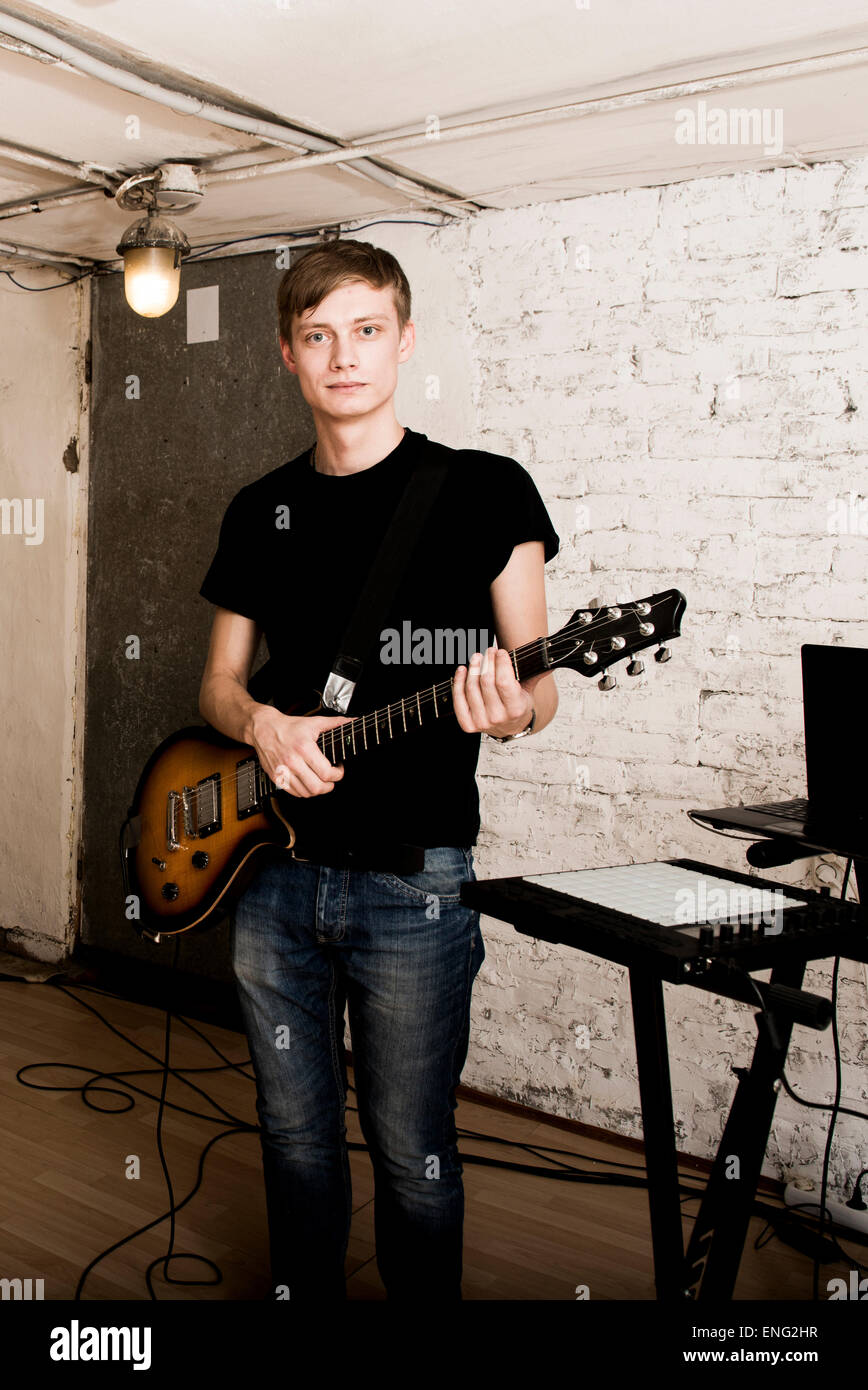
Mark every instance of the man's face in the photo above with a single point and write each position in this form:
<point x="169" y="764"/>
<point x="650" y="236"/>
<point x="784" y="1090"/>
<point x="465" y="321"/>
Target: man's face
<point x="350" y="336"/>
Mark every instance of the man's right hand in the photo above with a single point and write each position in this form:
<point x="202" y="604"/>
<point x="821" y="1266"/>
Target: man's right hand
<point x="286" y="747"/>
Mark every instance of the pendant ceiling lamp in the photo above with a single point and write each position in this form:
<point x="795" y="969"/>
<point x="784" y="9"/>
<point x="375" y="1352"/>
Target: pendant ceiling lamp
<point x="153" y="247"/>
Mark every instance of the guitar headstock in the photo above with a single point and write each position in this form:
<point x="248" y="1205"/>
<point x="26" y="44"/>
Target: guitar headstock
<point x="596" y="638"/>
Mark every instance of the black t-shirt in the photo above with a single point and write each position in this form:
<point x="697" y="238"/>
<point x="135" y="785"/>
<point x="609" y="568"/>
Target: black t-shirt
<point x="295" y="549"/>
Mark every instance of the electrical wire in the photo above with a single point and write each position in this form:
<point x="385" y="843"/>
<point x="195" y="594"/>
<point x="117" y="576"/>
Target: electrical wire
<point x="305" y="236"/>
<point x="237" y="1127"/>
<point x="716" y="830"/>
<point x="835" y="1107"/>
<point x="42" y="289"/>
<point x="563" y="1170"/>
<point x="632" y="1175"/>
<point x="165" y="1260"/>
<point x="200" y="251"/>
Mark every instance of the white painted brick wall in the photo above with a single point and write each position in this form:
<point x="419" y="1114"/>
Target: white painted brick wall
<point x="702" y="389"/>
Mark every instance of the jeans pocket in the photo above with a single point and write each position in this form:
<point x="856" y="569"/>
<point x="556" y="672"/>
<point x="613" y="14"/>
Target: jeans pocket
<point x="446" y="868"/>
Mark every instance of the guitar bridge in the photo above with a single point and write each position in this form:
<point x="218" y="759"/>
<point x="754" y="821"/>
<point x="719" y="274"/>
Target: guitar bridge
<point x="173" y="803"/>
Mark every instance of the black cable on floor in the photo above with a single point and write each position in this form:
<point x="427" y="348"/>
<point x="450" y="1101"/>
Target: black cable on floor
<point x="564" y="1171"/>
<point x="238" y="1127"/>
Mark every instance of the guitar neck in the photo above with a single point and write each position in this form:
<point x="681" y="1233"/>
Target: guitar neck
<point x="403" y="716"/>
<point x="412" y="712"/>
<point x="590" y="642"/>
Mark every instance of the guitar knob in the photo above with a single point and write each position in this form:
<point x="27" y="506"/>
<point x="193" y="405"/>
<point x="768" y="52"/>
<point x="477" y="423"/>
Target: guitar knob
<point x="200" y="859"/>
<point x="607" y="683"/>
<point x="635" y="668"/>
<point x="706" y="937"/>
<point x="726" y="933"/>
<point x="662" y="654"/>
<point x="170" y="891"/>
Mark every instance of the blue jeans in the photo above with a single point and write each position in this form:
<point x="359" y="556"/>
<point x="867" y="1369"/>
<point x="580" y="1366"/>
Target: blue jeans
<point x="402" y="953"/>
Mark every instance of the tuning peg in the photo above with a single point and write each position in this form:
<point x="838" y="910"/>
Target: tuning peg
<point x="662" y="654"/>
<point x="635" y="668"/>
<point x="607" y="683"/>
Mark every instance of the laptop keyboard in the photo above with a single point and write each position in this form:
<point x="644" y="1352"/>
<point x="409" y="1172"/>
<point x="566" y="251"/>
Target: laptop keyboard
<point x="790" y="810"/>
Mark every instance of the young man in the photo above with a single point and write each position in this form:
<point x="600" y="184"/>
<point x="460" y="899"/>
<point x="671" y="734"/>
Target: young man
<point x="357" y="914"/>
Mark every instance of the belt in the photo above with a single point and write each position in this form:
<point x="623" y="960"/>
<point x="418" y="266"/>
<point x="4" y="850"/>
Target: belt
<point x="407" y="859"/>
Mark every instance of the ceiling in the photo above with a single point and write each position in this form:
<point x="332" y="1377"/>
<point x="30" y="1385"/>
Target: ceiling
<point x="481" y="104"/>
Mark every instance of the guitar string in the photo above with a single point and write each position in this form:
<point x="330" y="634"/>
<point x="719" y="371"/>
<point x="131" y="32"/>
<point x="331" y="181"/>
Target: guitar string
<point x="369" y="720"/>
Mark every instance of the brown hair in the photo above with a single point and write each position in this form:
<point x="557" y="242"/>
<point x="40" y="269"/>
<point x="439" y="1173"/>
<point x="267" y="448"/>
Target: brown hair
<point x="321" y="270"/>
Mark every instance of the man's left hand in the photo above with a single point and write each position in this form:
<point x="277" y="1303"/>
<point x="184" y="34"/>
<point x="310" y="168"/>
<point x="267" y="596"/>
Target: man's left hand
<point x="487" y="698"/>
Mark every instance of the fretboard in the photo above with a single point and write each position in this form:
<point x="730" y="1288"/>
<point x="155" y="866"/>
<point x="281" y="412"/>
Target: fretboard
<point x="591" y="641"/>
<point x="420" y="710"/>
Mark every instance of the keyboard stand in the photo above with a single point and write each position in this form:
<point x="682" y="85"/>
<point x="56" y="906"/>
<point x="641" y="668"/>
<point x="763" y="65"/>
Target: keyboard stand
<point x="717" y="1240"/>
<point x="719" y="1232"/>
<point x="658" y="1127"/>
<point x="709" y="1270"/>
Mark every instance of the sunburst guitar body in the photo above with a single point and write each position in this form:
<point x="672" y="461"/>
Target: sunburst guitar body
<point x="202" y="810"/>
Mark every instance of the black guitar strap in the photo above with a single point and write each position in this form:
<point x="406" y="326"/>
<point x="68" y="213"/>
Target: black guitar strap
<point x="384" y="577"/>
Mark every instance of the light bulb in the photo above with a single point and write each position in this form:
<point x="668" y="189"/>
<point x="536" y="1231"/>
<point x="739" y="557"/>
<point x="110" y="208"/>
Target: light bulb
<point x="152" y="249"/>
<point x="151" y="280"/>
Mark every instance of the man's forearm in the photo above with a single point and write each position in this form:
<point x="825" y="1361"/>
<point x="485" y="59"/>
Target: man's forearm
<point x="544" y="693"/>
<point x="226" y="704"/>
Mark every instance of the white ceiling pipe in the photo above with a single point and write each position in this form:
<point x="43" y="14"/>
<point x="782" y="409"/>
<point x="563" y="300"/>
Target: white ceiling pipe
<point x="49" y="200"/>
<point x="28" y="51"/>
<point x="85" y="172"/>
<point x="672" y="91"/>
<point x="47" y="47"/>
<point x="180" y="102"/>
<point x="568" y="111"/>
<point x="38" y="253"/>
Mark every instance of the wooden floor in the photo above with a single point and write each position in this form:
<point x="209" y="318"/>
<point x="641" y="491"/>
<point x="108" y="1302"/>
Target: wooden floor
<point x="65" y="1196"/>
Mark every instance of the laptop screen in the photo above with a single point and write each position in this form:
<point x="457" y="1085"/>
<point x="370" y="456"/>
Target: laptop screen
<point x="834" y="685"/>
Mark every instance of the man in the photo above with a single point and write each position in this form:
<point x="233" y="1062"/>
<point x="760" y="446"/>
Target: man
<point x="352" y="916"/>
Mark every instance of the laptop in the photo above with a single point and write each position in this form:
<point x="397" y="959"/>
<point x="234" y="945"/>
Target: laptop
<point x="833" y="815"/>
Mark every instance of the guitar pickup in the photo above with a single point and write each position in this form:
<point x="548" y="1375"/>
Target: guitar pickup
<point x="202" y="808"/>
<point x="248" y="788"/>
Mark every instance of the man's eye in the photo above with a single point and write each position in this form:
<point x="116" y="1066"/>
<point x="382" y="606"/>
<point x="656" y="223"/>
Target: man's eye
<point x="372" y="326"/>
<point x="311" y="336"/>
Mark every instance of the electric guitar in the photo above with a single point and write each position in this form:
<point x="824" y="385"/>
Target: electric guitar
<point x="204" y="805"/>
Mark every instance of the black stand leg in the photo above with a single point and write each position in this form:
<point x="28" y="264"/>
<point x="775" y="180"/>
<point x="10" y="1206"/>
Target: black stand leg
<point x="661" y="1159"/>
<point x="861" y="869"/>
<point x="716" y="1243"/>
